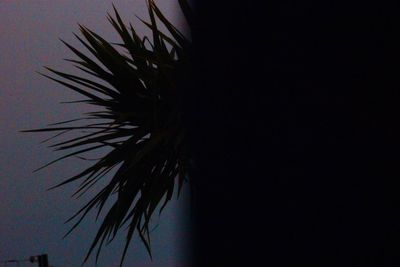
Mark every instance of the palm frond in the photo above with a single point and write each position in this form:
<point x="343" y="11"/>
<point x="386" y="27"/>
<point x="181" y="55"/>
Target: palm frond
<point x="139" y="122"/>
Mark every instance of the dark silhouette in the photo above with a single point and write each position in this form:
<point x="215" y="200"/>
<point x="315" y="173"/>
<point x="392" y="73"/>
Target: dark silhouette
<point x="293" y="124"/>
<point x="137" y="126"/>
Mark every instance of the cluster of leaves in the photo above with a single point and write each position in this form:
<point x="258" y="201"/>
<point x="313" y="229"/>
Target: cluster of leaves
<point x="133" y="84"/>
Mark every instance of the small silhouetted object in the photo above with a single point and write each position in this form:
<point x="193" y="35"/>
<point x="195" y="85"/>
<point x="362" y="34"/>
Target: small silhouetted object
<point x="41" y="259"/>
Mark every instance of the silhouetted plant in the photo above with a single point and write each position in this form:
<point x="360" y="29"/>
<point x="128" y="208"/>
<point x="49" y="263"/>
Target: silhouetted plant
<point x="139" y="121"/>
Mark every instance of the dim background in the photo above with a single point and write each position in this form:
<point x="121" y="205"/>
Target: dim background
<point x="31" y="218"/>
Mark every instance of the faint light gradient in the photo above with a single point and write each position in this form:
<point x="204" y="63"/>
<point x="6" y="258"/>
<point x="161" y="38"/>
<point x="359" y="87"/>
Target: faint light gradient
<point x="31" y="219"/>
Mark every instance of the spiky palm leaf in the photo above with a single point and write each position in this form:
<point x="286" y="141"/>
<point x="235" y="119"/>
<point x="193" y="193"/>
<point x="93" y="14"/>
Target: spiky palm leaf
<point x="139" y="122"/>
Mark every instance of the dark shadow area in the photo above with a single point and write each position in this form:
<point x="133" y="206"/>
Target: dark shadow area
<point x="293" y="123"/>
